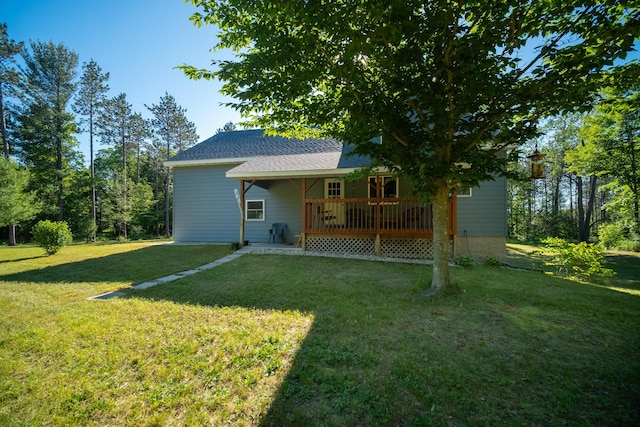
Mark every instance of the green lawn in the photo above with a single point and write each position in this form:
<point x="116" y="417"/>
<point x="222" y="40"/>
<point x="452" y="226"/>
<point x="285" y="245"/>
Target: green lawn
<point x="281" y="340"/>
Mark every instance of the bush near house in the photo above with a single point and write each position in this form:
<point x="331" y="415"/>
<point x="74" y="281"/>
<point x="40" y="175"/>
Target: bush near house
<point x="581" y="260"/>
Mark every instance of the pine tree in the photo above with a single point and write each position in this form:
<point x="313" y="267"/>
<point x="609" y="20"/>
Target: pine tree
<point x="50" y="82"/>
<point x="8" y="79"/>
<point x="89" y="102"/>
<point x="115" y="126"/>
<point x="171" y="127"/>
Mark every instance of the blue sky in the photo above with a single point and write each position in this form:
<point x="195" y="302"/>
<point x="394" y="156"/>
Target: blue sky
<point x="139" y="42"/>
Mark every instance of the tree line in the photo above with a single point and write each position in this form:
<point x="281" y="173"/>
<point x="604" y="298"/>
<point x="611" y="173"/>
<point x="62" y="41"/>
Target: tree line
<point x="47" y="99"/>
<point x="591" y="189"/>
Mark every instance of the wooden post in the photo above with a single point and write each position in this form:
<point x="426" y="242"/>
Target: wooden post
<point x="242" y="190"/>
<point x="303" y="237"/>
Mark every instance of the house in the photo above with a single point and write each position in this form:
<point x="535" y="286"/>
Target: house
<point x="235" y="185"/>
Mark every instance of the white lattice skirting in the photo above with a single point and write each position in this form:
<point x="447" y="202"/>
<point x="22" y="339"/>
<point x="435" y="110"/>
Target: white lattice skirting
<point x="389" y="247"/>
<point x="339" y="245"/>
<point x="407" y="248"/>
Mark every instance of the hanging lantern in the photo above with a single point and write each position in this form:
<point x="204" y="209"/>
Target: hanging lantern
<point x="537" y="164"/>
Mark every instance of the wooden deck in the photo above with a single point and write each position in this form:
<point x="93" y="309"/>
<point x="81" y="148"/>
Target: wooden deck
<point x="401" y="217"/>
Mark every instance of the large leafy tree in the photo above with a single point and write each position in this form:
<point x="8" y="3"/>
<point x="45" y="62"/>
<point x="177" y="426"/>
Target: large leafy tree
<point x="448" y="85"/>
<point x="611" y="143"/>
<point x="46" y="127"/>
<point x="89" y="102"/>
<point x="175" y="133"/>
<point x="16" y="203"/>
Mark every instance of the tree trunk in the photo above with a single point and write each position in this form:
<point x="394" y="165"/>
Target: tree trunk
<point x="60" y="180"/>
<point x="93" y="178"/>
<point x="555" y="205"/>
<point x="584" y="216"/>
<point x="124" y="188"/>
<point x="167" y="229"/>
<point x="441" y="242"/>
<point x="5" y="148"/>
<point x="3" y="126"/>
<point x="590" y="204"/>
<point x="157" y="198"/>
<point x="580" y="203"/>
<point x="12" y="235"/>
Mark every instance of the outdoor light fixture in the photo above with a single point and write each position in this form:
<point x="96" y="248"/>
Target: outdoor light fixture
<point x="537" y="164"/>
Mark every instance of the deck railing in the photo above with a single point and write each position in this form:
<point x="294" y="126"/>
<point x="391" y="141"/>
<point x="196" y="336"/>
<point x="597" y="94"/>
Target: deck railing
<point x="388" y="216"/>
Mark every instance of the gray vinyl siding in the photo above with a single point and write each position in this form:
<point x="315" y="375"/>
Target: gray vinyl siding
<point x="283" y="203"/>
<point x="205" y="208"/>
<point x="485" y="212"/>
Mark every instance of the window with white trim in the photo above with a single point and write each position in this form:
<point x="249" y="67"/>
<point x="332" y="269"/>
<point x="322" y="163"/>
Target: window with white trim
<point x="254" y="210"/>
<point x="333" y="189"/>
<point x="463" y="192"/>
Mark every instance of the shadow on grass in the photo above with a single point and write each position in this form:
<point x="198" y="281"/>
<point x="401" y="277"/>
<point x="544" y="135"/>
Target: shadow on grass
<point x="134" y="266"/>
<point x="380" y="354"/>
<point x="22" y="259"/>
<point x="525" y="258"/>
<point x="627" y="268"/>
<point x="334" y="378"/>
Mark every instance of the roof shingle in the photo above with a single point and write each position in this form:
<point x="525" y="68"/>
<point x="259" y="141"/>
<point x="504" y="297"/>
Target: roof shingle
<point x="251" y="143"/>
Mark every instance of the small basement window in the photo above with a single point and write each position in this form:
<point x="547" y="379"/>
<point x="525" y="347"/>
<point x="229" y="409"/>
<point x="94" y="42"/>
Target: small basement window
<point x="464" y="192"/>
<point x="254" y="210"/>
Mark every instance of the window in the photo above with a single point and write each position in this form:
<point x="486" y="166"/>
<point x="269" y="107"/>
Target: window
<point x="464" y="192"/>
<point x="254" y="210"/>
<point x="333" y="189"/>
<point x="389" y="188"/>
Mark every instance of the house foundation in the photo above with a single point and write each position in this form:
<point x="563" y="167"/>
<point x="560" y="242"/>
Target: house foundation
<point x="480" y="248"/>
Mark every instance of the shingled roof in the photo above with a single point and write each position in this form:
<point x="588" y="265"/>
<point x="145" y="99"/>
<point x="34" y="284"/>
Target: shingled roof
<point x="259" y="153"/>
<point x="251" y="143"/>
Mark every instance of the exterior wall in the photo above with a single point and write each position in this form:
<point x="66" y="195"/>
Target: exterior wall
<point x="485" y="212"/>
<point x="482" y="222"/>
<point x="205" y="208"/>
<point x="480" y="248"/>
<point x="283" y="203"/>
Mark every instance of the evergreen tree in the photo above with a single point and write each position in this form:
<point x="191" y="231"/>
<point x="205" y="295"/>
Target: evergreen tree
<point x="116" y="127"/>
<point x="8" y="80"/>
<point x="89" y="102"/>
<point x="46" y="127"/>
<point x="139" y="134"/>
<point x="171" y="127"/>
<point x="228" y="127"/>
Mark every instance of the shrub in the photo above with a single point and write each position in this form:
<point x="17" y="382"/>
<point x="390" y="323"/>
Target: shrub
<point x="465" y="261"/>
<point x="610" y="235"/>
<point x="576" y="259"/>
<point x="631" y="244"/>
<point x="86" y="229"/>
<point x="51" y="235"/>
<point x="492" y="262"/>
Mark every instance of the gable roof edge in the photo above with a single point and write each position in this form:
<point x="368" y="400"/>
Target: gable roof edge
<point x="205" y="162"/>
